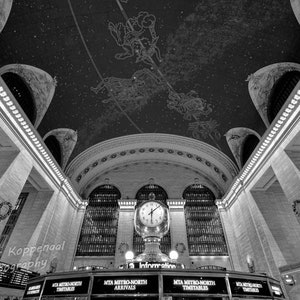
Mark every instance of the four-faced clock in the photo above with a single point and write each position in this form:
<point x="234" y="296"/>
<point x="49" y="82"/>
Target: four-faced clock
<point x="151" y="214"/>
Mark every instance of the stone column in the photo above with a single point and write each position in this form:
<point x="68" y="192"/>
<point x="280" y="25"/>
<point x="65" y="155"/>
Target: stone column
<point x="13" y="180"/>
<point x="233" y="262"/>
<point x="74" y="231"/>
<point x="125" y="230"/>
<point x="178" y="230"/>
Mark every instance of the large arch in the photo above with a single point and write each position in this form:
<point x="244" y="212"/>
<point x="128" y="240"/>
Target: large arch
<point x="236" y="138"/>
<point x="198" y="157"/>
<point x="5" y="8"/>
<point x="296" y="9"/>
<point x="40" y="84"/>
<point x="261" y="84"/>
<point x="67" y="139"/>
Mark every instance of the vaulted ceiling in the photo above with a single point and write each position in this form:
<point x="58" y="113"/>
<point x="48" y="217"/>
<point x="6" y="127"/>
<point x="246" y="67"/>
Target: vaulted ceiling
<point x="150" y="66"/>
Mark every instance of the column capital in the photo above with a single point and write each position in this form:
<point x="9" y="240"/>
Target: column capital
<point x="176" y="203"/>
<point x="127" y="204"/>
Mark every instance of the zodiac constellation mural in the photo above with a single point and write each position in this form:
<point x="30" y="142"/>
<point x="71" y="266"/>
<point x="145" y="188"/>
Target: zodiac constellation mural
<point x="133" y="91"/>
<point x="189" y="105"/>
<point x="138" y="39"/>
<point x="205" y="129"/>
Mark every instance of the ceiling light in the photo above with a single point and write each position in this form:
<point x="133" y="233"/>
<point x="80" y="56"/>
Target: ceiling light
<point x="294" y="101"/>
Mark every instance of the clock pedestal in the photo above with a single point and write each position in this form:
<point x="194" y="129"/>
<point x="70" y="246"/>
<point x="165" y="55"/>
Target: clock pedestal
<point x="152" y="252"/>
<point x="152" y="222"/>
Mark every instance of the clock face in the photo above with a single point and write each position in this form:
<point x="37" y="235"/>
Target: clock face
<point x="151" y="214"/>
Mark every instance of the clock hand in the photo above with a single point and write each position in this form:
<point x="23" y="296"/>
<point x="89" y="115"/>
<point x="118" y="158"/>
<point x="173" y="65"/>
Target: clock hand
<point x="151" y="212"/>
<point x="155" y="208"/>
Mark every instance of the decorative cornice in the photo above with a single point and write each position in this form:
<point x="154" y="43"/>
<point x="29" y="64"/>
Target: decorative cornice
<point x="13" y="115"/>
<point x="286" y="119"/>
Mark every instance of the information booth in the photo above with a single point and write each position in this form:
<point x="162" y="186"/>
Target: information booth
<point x="153" y="284"/>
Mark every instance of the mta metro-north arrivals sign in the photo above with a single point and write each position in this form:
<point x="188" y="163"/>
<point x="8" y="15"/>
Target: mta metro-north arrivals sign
<point x="125" y="285"/>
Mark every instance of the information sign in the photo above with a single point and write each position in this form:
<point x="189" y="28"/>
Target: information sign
<point x="13" y="277"/>
<point x="67" y="286"/>
<point x="195" y="284"/>
<point x="153" y="265"/>
<point x="125" y="285"/>
<point x="33" y="289"/>
<point x="249" y="287"/>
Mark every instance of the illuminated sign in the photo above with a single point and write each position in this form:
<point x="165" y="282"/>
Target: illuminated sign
<point x="276" y="289"/>
<point x="153" y="265"/>
<point x="211" y="267"/>
<point x="249" y="287"/>
<point x="11" y="276"/>
<point x="67" y="286"/>
<point x="199" y="285"/>
<point x="125" y="285"/>
<point x="33" y="289"/>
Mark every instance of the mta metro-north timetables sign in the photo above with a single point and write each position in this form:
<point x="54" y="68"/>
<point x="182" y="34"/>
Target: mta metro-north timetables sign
<point x="194" y="285"/>
<point x="67" y="286"/>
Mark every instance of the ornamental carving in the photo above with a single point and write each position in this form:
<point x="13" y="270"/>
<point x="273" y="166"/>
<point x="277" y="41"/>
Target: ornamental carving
<point x="123" y="248"/>
<point x="180" y="248"/>
<point x="5" y="210"/>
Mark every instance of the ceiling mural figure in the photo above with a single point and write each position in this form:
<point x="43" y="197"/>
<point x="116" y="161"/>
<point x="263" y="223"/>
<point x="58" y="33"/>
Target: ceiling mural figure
<point x="206" y="129"/>
<point x="137" y="38"/>
<point x="189" y="105"/>
<point x="133" y="91"/>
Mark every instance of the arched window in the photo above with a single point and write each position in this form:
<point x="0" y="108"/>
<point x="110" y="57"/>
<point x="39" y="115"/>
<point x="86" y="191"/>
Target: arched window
<point x="160" y="193"/>
<point x="22" y="94"/>
<point x="99" y="230"/>
<point x="53" y="145"/>
<point x="143" y="195"/>
<point x="280" y="93"/>
<point x="204" y="229"/>
<point x="248" y="147"/>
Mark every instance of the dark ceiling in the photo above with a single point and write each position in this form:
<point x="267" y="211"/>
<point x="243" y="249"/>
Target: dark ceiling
<point x="176" y="66"/>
